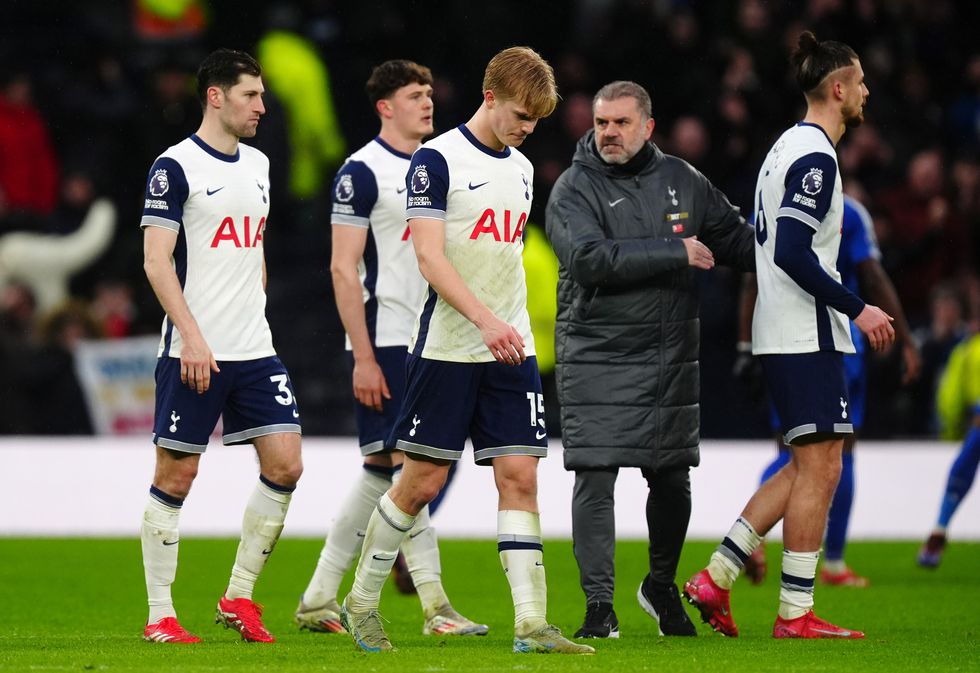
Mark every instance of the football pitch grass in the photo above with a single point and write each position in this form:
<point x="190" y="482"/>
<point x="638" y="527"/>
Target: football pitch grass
<point x="79" y="605"/>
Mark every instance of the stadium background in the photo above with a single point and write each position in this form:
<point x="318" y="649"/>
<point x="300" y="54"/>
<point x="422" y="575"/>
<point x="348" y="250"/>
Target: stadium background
<point x="110" y="84"/>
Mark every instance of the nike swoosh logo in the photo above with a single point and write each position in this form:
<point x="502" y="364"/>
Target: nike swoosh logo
<point x="540" y="435"/>
<point x="841" y="634"/>
<point x="214" y="191"/>
<point x="472" y="186"/>
<point x="266" y="552"/>
<point x="539" y="563"/>
<point x="401" y="191"/>
<point x="170" y="543"/>
<point x="383" y="558"/>
<point x="613" y="204"/>
<point x="359" y="533"/>
<point x="295" y="414"/>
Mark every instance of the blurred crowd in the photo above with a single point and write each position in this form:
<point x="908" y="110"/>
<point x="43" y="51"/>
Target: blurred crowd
<point x="91" y="93"/>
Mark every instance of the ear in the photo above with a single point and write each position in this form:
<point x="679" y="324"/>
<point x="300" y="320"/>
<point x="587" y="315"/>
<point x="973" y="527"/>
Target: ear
<point x="215" y="96"/>
<point x="489" y="99"/>
<point x="383" y="108"/>
<point x="650" y="125"/>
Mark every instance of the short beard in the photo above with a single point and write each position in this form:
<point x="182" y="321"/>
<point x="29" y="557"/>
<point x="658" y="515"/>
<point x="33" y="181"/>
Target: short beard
<point x="619" y="159"/>
<point x="853" y="119"/>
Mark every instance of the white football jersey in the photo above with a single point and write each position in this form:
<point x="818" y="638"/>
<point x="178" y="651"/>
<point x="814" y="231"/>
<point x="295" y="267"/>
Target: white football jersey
<point x="484" y="197"/>
<point x="218" y="205"/>
<point x="369" y="192"/>
<point x="798" y="179"/>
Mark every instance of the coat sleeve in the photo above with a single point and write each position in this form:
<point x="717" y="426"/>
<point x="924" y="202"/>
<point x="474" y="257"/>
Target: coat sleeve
<point x="724" y="230"/>
<point x="590" y="257"/>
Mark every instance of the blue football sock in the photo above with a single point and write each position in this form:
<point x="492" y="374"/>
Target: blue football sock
<point x="840" y="511"/>
<point x="437" y="501"/>
<point x="961" y="476"/>
<point x="781" y="460"/>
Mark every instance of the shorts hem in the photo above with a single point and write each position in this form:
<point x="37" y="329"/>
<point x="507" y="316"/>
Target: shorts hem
<point x="373" y="448"/>
<point x="175" y="445"/>
<point x="811" y="428"/>
<point x="430" y="451"/>
<point x="250" y="434"/>
<point x="484" y="455"/>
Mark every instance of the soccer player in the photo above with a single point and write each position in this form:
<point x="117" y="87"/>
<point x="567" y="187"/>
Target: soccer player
<point x="207" y="200"/>
<point x="471" y="368"/>
<point x="378" y="289"/>
<point x="860" y="268"/>
<point x="800" y="332"/>
<point x="958" y="399"/>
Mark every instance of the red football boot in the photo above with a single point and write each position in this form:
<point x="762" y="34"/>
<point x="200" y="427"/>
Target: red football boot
<point x="713" y="603"/>
<point x="811" y="626"/>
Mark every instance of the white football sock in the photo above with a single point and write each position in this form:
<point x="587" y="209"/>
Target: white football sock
<point x="521" y="555"/>
<point x="796" y="588"/>
<point x="159" y="538"/>
<point x="729" y="558"/>
<point x="385" y="531"/>
<point x="262" y="523"/>
<point x="344" y="539"/>
<point x="421" y="550"/>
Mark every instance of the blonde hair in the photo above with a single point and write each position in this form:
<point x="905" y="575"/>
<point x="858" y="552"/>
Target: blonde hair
<point x="520" y="74"/>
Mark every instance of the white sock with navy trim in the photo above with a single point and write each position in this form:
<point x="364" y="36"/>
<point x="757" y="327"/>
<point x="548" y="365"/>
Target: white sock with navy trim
<point x="262" y="524"/>
<point x="159" y="539"/>
<point x="346" y="535"/>
<point x="385" y="532"/>
<point x="796" y="586"/>
<point x="729" y="558"/>
<point x="522" y="557"/>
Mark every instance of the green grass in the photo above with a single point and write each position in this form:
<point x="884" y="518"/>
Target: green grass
<point x="79" y="604"/>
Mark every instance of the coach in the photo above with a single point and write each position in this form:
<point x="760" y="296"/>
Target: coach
<point x="630" y="225"/>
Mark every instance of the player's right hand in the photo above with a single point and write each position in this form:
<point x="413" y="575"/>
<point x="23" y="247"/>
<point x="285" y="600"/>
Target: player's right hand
<point x="504" y="341"/>
<point x="370" y="386"/>
<point x="196" y="364"/>
<point x="877" y="325"/>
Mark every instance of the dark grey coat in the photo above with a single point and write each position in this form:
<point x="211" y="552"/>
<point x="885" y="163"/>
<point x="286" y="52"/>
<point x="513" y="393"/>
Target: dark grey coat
<point x="627" y="337"/>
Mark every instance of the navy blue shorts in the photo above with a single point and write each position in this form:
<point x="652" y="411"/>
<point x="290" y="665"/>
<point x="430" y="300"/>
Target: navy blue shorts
<point x="255" y="398"/>
<point x="374" y="427"/>
<point x="857" y="391"/>
<point x="809" y="393"/>
<point x="500" y="407"/>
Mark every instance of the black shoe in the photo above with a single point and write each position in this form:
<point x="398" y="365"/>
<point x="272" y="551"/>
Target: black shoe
<point x="663" y="603"/>
<point x="600" y="622"/>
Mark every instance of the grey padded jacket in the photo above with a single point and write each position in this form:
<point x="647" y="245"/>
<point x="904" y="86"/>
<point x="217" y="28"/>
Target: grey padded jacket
<point x="627" y="337"/>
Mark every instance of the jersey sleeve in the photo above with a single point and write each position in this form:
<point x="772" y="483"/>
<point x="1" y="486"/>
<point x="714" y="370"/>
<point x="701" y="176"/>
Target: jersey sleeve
<point x="166" y="193"/>
<point x="428" y="185"/>
<point x="858" y="234"/>
<point x="355" y="192"/>
<point x="809" y="189"/>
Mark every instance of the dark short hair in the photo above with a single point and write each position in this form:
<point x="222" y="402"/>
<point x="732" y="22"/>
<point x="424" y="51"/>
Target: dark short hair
<point x="626" y="89"/>
<point x="222" y="68"/>
<point x="391" y="76"/>
<point x="815" y="60"/>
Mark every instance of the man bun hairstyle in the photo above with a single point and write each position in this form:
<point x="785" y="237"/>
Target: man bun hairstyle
<point x="222" y="68"/>
<point x="392" y="75"/>
<point x="815" y="60"/>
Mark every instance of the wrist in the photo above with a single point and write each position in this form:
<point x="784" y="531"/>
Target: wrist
<point x="743" y="347"/>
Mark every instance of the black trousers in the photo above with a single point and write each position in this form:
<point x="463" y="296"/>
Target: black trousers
<point x="668" y="511"/>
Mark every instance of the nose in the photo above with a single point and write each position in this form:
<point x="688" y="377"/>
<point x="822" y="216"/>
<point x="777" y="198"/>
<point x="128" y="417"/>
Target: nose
<point x="528" y="127"/>
<point x="260" y="108"/>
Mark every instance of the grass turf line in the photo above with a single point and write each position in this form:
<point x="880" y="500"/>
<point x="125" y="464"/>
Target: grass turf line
<point x="79" y="604"/>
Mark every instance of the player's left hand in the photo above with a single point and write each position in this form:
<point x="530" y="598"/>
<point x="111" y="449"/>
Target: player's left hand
<point x="504" y="341"/>
<point x="877" y="325"/>
<point x="912" y="363"/>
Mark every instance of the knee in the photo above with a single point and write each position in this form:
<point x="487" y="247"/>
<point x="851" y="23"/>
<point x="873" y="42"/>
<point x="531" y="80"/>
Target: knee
<point x="284" y="474"/>
<point x="177" y="479"/>
<point x="520" y="485"/>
